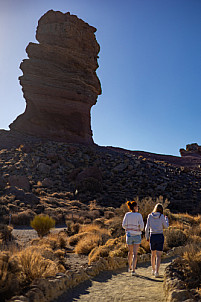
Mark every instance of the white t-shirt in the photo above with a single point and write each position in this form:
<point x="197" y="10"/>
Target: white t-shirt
<point x="133" y="223"/>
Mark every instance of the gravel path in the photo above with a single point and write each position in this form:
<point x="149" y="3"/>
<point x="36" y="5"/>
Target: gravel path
<point x="23" y="235"/>
<point x="119" y="285"/>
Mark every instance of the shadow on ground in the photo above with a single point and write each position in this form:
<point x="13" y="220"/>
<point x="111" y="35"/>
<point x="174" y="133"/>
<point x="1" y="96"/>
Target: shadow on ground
<point x="83" y="288"/>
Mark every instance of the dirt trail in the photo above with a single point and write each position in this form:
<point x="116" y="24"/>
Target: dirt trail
<point x="119" y="285"/>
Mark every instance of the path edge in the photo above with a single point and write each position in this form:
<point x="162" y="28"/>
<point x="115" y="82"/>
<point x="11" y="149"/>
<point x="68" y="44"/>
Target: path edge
<point x="50" y="288"/>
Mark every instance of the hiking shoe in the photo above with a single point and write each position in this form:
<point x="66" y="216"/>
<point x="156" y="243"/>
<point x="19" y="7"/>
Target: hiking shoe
<point x="156" y="274"/>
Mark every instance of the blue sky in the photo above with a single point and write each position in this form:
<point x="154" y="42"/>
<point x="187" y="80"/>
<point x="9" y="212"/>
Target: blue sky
<point x="149" y="68"/>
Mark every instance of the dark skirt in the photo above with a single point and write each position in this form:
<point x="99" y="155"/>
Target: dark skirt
<point x="156" y="242"/>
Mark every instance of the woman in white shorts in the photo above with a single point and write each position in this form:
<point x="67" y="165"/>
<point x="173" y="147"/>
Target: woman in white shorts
<point x="133" y="224"/>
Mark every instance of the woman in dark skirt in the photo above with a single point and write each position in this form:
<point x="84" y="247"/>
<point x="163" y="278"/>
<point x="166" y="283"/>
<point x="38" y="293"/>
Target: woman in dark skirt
<point x="154" y="232"/>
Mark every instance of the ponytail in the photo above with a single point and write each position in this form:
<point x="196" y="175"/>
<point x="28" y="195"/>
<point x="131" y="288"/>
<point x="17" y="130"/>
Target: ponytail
<point x="131" y="205"/>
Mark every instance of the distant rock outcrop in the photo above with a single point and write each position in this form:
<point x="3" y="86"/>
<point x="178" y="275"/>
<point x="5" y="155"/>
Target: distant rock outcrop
<point x="59" y="80"/>
<point x="191" y="150"/>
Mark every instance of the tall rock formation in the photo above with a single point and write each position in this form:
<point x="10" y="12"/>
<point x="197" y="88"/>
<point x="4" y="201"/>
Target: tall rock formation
<point x="59" y="80"/>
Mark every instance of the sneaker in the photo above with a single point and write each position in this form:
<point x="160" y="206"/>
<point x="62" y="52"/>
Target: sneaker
<point x="156" y="274"/>
<point x="129" y="270"/>
<point x="133" y="273"/>
<point x="152" y="272"/>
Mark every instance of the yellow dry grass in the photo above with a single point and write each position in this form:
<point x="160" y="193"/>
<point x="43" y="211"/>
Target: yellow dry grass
<point x="89" y="236"/>
<point x="33" y="265"/>
<point x="113" y="247"/>
<point x="8" y="275"/>
<point x="54" y="241"/>
<point x="87" y="243"/>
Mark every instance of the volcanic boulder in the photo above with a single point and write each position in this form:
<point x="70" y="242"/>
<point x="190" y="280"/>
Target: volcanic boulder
<point x="59" y="80"/>
<point x="191" y="150"/>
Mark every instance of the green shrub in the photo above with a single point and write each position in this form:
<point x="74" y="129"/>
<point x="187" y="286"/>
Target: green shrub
<point x="42" y="224"/>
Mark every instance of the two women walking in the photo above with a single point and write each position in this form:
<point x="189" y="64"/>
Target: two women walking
<point x="134" y="225"/>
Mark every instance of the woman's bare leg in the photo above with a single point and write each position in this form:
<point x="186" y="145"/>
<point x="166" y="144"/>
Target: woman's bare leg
<point x="135" y="251"/>
<point x="130" y="255"/>
<point x="153" y="260"/>
<point x="158" y="260"/>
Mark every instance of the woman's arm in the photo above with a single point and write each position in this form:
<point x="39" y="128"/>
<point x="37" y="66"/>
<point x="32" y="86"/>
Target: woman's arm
<point x="124" y="223"/>
<point x="147" y="228"/>
<point x="165" y="222"/>
<point x="141" y="223"/>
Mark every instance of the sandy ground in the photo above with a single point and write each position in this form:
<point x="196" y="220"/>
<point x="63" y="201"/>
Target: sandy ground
<point x="119" y="285"/>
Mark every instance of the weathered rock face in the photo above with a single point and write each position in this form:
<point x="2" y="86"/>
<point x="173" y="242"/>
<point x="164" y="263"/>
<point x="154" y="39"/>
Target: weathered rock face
<point x="191" y="150"/>
<point x="59" y="80"/>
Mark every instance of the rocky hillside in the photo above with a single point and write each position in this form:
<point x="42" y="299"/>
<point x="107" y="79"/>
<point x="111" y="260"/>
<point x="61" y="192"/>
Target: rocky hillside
<point x="48" y="177"/>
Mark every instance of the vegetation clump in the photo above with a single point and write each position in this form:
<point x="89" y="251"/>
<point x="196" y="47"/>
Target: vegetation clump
<point x="42" y="224"/>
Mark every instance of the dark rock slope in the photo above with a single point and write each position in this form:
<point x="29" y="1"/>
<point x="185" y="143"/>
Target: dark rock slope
<point x="42" y="176"/>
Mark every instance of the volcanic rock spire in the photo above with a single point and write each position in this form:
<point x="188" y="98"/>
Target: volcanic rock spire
<point x="59" y="80"/>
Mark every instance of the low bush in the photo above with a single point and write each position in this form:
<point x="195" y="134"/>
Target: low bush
<point x="97" y="252"/>
<point x="87" y="243"/>
<point x="10" y="276"/>
<point x="72" y="227"/>
<point x="195" y="230"/>
<point x="22" y="218"/>
<point x="5" y="232"/>
<point x="54" y="241"/>
<point x="112" y="247"/>
<point x="42" y="224"/>
<point x="89" y="236"/>
<point x="33" y="265"/>
<point x="174" y="237"/>
<point x="114" y="225"/>
<point x="188" y="267"/>
<point x="146" y="206"/>
<point x="73" y="240"/>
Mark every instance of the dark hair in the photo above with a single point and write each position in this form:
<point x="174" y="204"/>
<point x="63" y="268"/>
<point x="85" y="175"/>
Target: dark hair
<point x="131" y="205"/>
<point x="158" y="208"/>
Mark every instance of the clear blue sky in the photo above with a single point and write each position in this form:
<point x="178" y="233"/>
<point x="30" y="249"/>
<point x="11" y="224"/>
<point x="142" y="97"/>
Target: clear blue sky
<point x="150" y="68"/>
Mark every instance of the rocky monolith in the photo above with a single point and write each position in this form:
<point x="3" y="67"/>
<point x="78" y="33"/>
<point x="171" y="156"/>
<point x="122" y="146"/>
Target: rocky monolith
<point x="59" y="80"/>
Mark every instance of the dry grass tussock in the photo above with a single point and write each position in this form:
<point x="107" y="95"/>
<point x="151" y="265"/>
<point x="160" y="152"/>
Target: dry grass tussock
<point x="146" y="206"/>
<point x="19" y="269"/>
<point x="184" y="229"/>
<point x="113" y="247"/>
<point x="52" y="241"/>
<point x="5" y="232"/>
<point x="89" y="236"/>
<point x="190" y="266"/>
<point x="10" y="275"/>
<point x="188" y="235"/>
<point x="103" y="238"/>
<point x="34" y="265"/>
